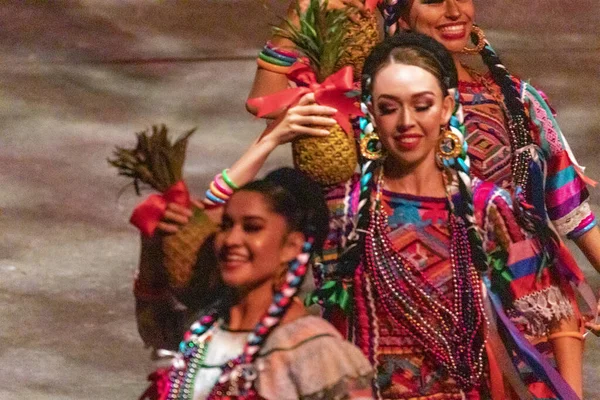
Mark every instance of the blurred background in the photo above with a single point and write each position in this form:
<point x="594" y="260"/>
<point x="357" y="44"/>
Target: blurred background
<point x="79" y="77"/>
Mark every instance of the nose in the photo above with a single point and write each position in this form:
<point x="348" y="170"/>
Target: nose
<point x="452" y="9"/>
<point x="406" y="120"/>
<point x="233" y="236"/>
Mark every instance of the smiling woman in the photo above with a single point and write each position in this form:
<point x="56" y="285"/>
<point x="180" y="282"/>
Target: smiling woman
<point x="435" y="262"/>
<point x="254" y="339"/>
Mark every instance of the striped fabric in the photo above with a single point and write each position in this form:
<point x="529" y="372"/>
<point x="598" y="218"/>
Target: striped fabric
<point x="566" y="194"/>
<point x="419" y="230"/>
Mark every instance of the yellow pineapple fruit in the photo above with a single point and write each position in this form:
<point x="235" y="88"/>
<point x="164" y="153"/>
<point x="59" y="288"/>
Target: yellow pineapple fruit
<point x="332" y="159"/>
<point x="158" y="163"/>
<point x="359" y="40"/>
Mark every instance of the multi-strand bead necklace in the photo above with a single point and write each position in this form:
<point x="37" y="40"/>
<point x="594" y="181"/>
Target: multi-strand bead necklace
<point x="453" y="333"/>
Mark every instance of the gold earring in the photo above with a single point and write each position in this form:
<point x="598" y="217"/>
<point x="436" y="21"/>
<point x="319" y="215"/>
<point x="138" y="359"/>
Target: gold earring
<point x="449" y="148"/>
<point x="479" y="43"/>
<point x="370" y="146"/>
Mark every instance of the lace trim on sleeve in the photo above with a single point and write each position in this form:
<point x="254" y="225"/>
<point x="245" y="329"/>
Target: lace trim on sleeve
<point x="536" y="310"/>
<point x="572" y="220"/>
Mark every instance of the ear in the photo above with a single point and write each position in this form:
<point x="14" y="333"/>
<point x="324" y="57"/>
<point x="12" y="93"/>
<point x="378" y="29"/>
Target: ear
<point x="292" y="246"/>
<point x="447" y="108"/>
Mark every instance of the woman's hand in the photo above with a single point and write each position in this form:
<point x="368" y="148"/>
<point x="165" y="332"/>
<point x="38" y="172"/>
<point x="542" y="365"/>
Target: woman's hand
<point x="594" y="326"/>
<point x="176" y="216"/>
<point x="305" y="118"/>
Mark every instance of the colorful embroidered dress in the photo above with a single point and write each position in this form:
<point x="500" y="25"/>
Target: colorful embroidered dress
<point x="306" y="359"/>
<point x="565" y="189"/>
<point x="419" y="230"/>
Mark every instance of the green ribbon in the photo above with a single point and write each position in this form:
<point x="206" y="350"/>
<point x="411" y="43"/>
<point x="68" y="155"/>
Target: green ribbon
<point x="331" y="293"/>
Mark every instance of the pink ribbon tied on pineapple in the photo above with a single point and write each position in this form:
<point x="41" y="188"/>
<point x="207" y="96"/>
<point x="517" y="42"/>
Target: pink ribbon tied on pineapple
<point x="335" y="91"/>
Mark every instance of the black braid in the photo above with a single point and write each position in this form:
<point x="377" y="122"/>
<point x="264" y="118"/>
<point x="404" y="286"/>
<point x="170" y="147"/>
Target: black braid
<point x="516" y="118"/>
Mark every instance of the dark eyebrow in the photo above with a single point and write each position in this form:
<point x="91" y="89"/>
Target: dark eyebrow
<point x="392" y="97"/>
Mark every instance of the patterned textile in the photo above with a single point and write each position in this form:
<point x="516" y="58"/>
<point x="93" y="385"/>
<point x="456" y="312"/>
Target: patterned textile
<point x="419" y="230"/>
<point x="489" y="148"/>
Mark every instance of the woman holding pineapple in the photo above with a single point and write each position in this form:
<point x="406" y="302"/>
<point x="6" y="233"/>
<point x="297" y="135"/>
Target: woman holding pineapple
<point x="254" y="340"/>
<point x="514" y="140"/>
<point x="418" y="238"/>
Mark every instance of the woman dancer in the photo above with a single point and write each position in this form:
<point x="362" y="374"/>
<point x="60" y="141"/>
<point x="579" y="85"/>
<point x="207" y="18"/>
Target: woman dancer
<point x="258" y="342"/>
<point x="509" y="124"/>
<point x="425" y="239"/>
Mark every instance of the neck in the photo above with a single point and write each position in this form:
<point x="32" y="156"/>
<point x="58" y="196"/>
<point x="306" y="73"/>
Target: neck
<point x="424" y="179"/>
<point x="463" y="73"/>
<point x="250" y="306"/>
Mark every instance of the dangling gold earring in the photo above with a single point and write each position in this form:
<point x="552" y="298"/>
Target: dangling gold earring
<point x="479" y="43"/>
<point x="449" y="148"/>
<point x="370" y="146"/>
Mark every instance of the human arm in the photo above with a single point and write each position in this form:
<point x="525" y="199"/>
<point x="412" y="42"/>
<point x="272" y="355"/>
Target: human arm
<point x="566" y="193"/>
<point x="161" y="308"/>
<point x="271" y="78"/>
<point x="533" y="293"/>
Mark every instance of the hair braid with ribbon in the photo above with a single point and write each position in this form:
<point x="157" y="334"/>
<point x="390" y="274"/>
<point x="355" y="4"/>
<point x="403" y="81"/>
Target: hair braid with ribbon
<point x="296" y="198"/>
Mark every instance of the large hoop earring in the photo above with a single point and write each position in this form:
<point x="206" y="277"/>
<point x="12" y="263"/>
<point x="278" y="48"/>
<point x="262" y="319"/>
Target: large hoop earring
<point x="478" y="38"/>
<point x="370" y="147"/>
<point x="450" y="146"/>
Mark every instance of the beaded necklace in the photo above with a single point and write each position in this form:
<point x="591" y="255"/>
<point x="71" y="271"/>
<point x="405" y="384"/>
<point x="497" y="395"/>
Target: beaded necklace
<point x="453" y="334"/>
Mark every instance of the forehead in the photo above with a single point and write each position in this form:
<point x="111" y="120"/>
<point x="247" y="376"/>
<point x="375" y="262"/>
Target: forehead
<point x="402" y="79"/>
<point x="247" y="202"/>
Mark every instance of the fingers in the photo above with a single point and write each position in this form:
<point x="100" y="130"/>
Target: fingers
<point x="174" y="216"/>
<point x="197" y="203"/>
<point x="312" y="109"/>
<point x="308" y="98"/>
<point x="167" y="228"/>
<point x="309" y="130"/>
<point x="305" y="120"/>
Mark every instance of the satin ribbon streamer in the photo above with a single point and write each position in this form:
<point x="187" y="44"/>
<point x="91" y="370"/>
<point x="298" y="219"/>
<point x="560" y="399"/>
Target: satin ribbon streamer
<point x="332" y="92"/>
<point x="148" y="214"/>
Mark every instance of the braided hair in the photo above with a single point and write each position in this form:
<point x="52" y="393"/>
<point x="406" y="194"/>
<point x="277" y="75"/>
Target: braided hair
<point x="466" y="249"/>
<point x="298" y="199"/>
<point x="423" y="51"/>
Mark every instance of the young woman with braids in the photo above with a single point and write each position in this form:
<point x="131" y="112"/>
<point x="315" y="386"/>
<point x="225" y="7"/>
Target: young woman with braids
<point x="253" y="338"/>
<point x="441" y="276"/>
<point x="513" y="137"/>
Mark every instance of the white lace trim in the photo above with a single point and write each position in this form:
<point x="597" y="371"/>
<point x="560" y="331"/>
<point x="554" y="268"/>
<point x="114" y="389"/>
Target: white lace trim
<point x="536" y="310"/>
<point x="569" y="222"/>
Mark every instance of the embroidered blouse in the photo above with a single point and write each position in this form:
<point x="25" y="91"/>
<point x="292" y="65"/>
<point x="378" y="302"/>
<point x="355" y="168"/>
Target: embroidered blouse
<point x="566" y="195"/>
<point x="420" y="232"/>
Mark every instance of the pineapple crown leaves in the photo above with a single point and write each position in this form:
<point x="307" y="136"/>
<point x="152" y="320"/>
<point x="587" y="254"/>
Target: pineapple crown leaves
<point x="154" y="161"/>
<point x="319" y="36"/>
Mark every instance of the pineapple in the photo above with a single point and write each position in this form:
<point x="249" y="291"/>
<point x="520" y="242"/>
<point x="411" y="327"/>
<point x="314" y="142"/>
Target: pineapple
<point x="159" y="164"/>
<point x="359" y="40"/>
<point x="320" y="37"/>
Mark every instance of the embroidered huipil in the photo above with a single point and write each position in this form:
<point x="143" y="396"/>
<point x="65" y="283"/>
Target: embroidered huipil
<point x="419" y="230"/>
<point x="566" y="194"/>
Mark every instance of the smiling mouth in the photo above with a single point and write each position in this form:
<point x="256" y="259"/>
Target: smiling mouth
<point x="453" y="31"/>
<point x="408" y="142"/>
<point x="232" y="260"/>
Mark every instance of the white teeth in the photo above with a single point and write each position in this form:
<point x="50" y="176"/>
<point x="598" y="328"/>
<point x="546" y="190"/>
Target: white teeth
<point x="453" y="29"/>
<point x="409" y="139"/>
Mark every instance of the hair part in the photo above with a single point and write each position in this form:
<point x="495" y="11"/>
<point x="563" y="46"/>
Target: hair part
<point x="298" y="199"/>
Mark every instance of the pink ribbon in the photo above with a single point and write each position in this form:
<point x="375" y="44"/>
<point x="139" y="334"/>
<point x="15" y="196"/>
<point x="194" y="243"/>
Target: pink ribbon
<point x="332" y="92"/>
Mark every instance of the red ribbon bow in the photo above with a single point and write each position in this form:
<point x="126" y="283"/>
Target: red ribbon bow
<point x="148" y="213"/>
<point x="371" y="4"/>
<point x="332" y="92"/>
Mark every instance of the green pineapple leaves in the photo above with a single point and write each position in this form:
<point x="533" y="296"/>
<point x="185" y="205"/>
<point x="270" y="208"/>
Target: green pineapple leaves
<point x="154" y="161"/>
<point x="319" y="36"/>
